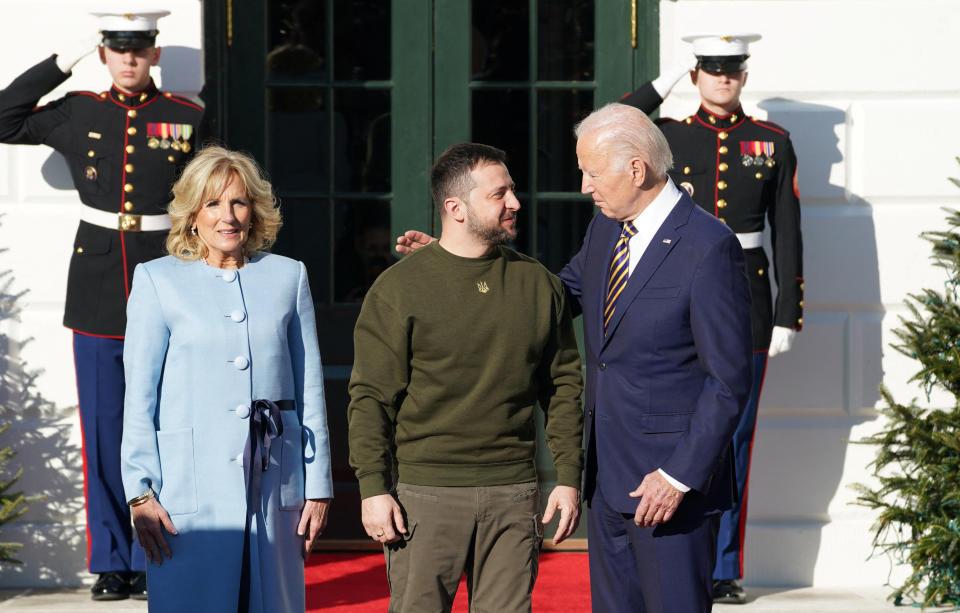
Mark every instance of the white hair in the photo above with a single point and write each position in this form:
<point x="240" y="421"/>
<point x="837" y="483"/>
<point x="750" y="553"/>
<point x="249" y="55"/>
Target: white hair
<point x="625" y="132"/>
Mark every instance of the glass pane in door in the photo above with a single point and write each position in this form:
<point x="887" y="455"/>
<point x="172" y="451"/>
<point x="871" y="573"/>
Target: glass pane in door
<point x="499" y="40"/>
<point x="558" y="111"/>
<point x="328" y="97"/>
<point x="565" y="40"/>
<point x="501" y="118"/>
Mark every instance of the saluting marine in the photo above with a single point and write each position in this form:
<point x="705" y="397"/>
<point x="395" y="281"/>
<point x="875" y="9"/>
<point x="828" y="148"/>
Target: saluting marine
<point x="744" y="171"/>
<point x="124" y="147"/>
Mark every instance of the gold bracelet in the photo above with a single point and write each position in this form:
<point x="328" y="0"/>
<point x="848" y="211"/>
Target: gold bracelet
<point x="142" y="498"/>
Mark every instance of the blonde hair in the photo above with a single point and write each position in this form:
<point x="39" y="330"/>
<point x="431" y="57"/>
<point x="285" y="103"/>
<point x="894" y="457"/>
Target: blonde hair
<point x="202" y="180"/>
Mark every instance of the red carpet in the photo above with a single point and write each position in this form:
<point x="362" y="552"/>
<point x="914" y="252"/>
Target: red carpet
<point x="357" y="583"/>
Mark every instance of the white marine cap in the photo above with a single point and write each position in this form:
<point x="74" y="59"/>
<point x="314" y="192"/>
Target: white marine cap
<point x="720" y="45"/>
<point x="129" y="22"/>
<point x="129" y="30"/>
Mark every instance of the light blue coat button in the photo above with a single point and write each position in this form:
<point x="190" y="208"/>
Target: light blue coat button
<point x="241" y="362"/>
<point x="228" y="275"/>
<point x="243" y="411"/>
<point x="237" y="315"/>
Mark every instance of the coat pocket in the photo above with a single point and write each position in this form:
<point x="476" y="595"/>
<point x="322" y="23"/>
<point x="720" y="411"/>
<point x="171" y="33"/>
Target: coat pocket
<point x="178" y="494"/>
<point x="663" y="423"/>
<point x="658" y="293"/>
<point x="291" y="468"/>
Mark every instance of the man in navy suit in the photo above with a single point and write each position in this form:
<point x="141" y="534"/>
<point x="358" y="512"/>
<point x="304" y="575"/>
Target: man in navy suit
<point x="666" y="322"/>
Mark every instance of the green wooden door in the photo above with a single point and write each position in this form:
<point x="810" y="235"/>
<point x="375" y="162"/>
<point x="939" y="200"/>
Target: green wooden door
<point x="347" y="102"/>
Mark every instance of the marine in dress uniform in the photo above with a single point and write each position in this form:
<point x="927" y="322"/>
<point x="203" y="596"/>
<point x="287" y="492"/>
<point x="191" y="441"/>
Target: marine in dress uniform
<point x="124" y="147"/>
<point x="744" y="171"/>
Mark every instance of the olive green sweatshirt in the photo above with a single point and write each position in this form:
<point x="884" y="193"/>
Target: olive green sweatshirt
<point x="451" y="356"/>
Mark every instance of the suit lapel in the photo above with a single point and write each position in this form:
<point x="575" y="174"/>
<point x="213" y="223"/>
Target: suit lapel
<point x="660" y="246"/>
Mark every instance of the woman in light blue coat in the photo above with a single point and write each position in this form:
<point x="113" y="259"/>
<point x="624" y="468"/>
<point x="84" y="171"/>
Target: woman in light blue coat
<point x="225" y="452"/>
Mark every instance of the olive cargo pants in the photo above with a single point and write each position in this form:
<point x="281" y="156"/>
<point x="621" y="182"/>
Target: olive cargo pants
<point x="493" y="534"/>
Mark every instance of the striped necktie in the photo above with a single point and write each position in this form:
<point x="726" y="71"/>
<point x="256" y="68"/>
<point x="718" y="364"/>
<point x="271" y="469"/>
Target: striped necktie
<point x="619" y="272"/>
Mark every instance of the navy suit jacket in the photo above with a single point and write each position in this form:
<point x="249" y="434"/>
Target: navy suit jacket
<point x="667" y="383"/>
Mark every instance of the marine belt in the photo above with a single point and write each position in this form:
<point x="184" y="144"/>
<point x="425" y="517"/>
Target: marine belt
<point x="125" y="221"/>
<point x="750" y="240"/>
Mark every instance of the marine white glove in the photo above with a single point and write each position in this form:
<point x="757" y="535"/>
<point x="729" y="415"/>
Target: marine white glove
<point x="670" y="77"/>
<point x="781" y="339"/>
<point x="74" y="51"/>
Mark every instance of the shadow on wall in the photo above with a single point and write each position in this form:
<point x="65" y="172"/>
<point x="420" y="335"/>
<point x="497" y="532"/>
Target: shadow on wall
<point x="56" y="173"/>
<point x="815" y="394"/>
<point x="53" y="540"/>
<point x="180" y="69"/>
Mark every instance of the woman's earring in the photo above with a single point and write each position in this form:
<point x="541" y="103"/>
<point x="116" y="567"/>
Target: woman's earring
<point x="193" y="230"/>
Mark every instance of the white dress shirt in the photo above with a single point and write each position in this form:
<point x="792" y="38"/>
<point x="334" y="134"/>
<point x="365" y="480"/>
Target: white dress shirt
<point x="649" y="221"/>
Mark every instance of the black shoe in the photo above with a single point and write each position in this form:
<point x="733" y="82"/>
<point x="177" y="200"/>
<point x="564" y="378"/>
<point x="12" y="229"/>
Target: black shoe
<point x="729" y="591"/>
<point x="111" y="586"/>
<point x="138" y="585"/>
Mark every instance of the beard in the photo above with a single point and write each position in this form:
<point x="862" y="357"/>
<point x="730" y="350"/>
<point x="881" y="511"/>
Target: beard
<point x="491" y="234"/>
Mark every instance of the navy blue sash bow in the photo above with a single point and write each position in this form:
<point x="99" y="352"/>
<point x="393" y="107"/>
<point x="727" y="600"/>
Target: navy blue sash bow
<point x="265" y="426"/>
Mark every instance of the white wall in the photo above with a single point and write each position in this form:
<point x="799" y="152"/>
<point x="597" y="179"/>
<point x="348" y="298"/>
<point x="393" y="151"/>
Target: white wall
<point x="38" y="216"/>
<point x="865" y="89"/>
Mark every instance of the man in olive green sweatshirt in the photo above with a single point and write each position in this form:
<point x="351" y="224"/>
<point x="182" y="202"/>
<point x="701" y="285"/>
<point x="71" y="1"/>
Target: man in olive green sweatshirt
<point x="454" y="346"/>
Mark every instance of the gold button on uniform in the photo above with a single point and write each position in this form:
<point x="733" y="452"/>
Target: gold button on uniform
<point x="723" y="149"/>
<point x="689" y="120"/>
<point x="127" y="206"/>
<point x="733" y="118"/>
<point x="143" y="97"/>
<point x="800" y="321"/>
<point x="721" y="203"/>
<point x="79" y="249"/>
<point x="801" y="286"/>
<point x="723" y="220"/>
<point x="759" y="175"/>
<point x="686" y="170"/>
<point x="91" y="153"/>
<point x="131" y="130"/>
<point x="723" y="136"/>
<point x="723" y="166"/>
<point x="760" y="272"/>
<point x="170" y="158"/>
<point x="801" y="304"/>
<point x="131" y="113"/>
<point x="130" y="148"/>
<point x="128" y="188"/>
<point x="121" y="97"/>
<point x="128" y="167"/>
<point x="712" y="119"/>
<point x="721" y="185"/>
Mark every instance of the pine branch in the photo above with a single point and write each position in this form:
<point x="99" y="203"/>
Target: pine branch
<point x="917" y="463"/>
